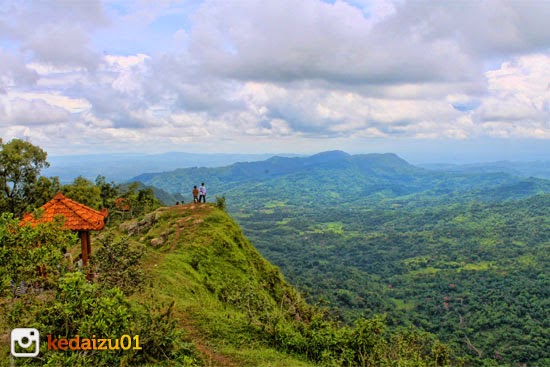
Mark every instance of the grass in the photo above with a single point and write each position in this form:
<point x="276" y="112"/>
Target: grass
<point x="482" y="265"/>
<point x="219" y="284"/>
<point x="429" y="270"/>
<point x="259" y="355"/>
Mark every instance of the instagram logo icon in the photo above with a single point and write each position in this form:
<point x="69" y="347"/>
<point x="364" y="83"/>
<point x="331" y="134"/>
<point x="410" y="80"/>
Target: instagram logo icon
<point x="25" y="342"/>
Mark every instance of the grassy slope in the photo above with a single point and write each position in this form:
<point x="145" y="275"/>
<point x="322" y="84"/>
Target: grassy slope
<point x="219" y="283"/>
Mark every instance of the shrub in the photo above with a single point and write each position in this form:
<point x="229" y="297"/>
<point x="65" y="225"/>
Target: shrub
<point x="220" y="202"/>
<point x="118" y="264"/>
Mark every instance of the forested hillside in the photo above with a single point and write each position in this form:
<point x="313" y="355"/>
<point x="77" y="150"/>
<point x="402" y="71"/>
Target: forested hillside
<point x="460" y="254"/>
<point x="539" y="169"/>
<point x="475" y="274"/>
<point x="337" y="178"/>
<point x="193" y="289"/>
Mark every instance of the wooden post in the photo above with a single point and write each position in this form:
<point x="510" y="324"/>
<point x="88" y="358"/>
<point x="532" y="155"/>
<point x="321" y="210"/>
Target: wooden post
<point x="90" y="275"/>
<point x="89" y="244"/>
<point x="84" y="247"/>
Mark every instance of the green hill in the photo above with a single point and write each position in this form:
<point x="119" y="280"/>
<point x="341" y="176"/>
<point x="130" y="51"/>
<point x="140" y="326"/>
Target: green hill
<point x="337" y="178"/>
<point x="195" y="291"/>
<point x="540" y="169"/>
<point x="222" y="289"/>
<point x="371" y="234"/>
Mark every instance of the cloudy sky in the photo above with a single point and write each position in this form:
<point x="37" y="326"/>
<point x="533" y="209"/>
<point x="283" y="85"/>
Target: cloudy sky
<point x="430" y="80"/>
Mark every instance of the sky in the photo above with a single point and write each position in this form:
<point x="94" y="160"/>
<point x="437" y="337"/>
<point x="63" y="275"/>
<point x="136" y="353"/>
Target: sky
<point x="454" y="81"/>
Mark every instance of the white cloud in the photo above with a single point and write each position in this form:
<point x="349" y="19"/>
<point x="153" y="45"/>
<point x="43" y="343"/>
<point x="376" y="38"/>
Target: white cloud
<point x="518" y="99"/>
<point x="280" y="72"/>
<point x="55" y="32"/>
<point x="62" y="45"/>
<point x="129" y="72"/>
<point x="30" y="112"/>
<point x="53" y="99"/>
<point x="288" y="40"/>
<point x="489" y="28"/>
<point x="14" y="71"/>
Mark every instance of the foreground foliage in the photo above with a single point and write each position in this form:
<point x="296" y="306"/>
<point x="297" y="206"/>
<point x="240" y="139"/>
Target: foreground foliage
<point x="204" y="288"/>
<point x="62" y="303"/>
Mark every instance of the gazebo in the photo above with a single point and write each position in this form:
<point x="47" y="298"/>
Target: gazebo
<point x="78" y="218"/>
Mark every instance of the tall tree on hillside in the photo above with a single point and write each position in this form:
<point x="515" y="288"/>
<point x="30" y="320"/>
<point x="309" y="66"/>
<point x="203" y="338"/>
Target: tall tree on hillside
<point x="84" y="191"/>
<point x="45" y="190"/>
<point x="20" y="166"/>
<point x="109" y="192"/>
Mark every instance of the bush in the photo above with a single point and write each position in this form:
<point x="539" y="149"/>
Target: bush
<point x="220" y="202"/>
<point x="118" y="264"/>
<point x="65" y="304"/>
<point x="31" y="258"/>
<point x="77" y="307"/>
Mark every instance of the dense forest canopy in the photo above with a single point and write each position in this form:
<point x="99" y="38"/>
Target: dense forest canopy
<point x="463" y="254"/>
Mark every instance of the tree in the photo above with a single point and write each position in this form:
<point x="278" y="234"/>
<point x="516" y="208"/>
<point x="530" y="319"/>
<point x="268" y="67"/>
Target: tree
<point x="46" y="188"/>
<point x="84" y="192"/>
<point x="109" y="191"/>
<point x="20" y="166"/>
<point x="39" y="288"/>
<point x="140" y="200"/>
<point x="31" y="256"/>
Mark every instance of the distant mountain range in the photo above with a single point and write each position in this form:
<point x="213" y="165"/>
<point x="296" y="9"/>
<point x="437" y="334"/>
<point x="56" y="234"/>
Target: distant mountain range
<point x="121" y="167"/>
<point x="336" y="177"/>
<point x="540" y="169"/>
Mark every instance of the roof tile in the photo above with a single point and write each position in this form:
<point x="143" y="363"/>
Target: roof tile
<point x="78" y="217"/>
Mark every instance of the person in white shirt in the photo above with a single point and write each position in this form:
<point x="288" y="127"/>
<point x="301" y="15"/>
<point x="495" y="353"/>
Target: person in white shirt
<point x="202" y="193"/>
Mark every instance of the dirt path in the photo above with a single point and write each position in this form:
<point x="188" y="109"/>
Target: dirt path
<point x="210" y="356"/>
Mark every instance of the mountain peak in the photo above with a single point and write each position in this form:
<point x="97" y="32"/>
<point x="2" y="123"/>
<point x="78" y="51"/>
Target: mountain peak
<point x="383" y="159"/>
<point x="329" y="156"/>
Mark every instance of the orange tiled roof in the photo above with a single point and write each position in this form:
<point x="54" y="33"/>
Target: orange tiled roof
<point x="78" y="217"/>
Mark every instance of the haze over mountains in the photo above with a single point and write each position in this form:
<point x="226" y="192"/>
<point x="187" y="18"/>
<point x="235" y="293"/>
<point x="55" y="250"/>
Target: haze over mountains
<point x="540" y="169"/>
<point x="121" y="167"/>
<point x="336" y="177"/>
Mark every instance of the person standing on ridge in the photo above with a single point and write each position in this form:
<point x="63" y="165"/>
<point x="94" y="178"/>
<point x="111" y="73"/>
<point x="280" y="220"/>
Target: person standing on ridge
<point x="202" y="193"/>
<point x="195" y="194"/>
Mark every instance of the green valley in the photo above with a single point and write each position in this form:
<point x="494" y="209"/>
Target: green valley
<point x="195" y="291"/>
<point x="461" y="254"/>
